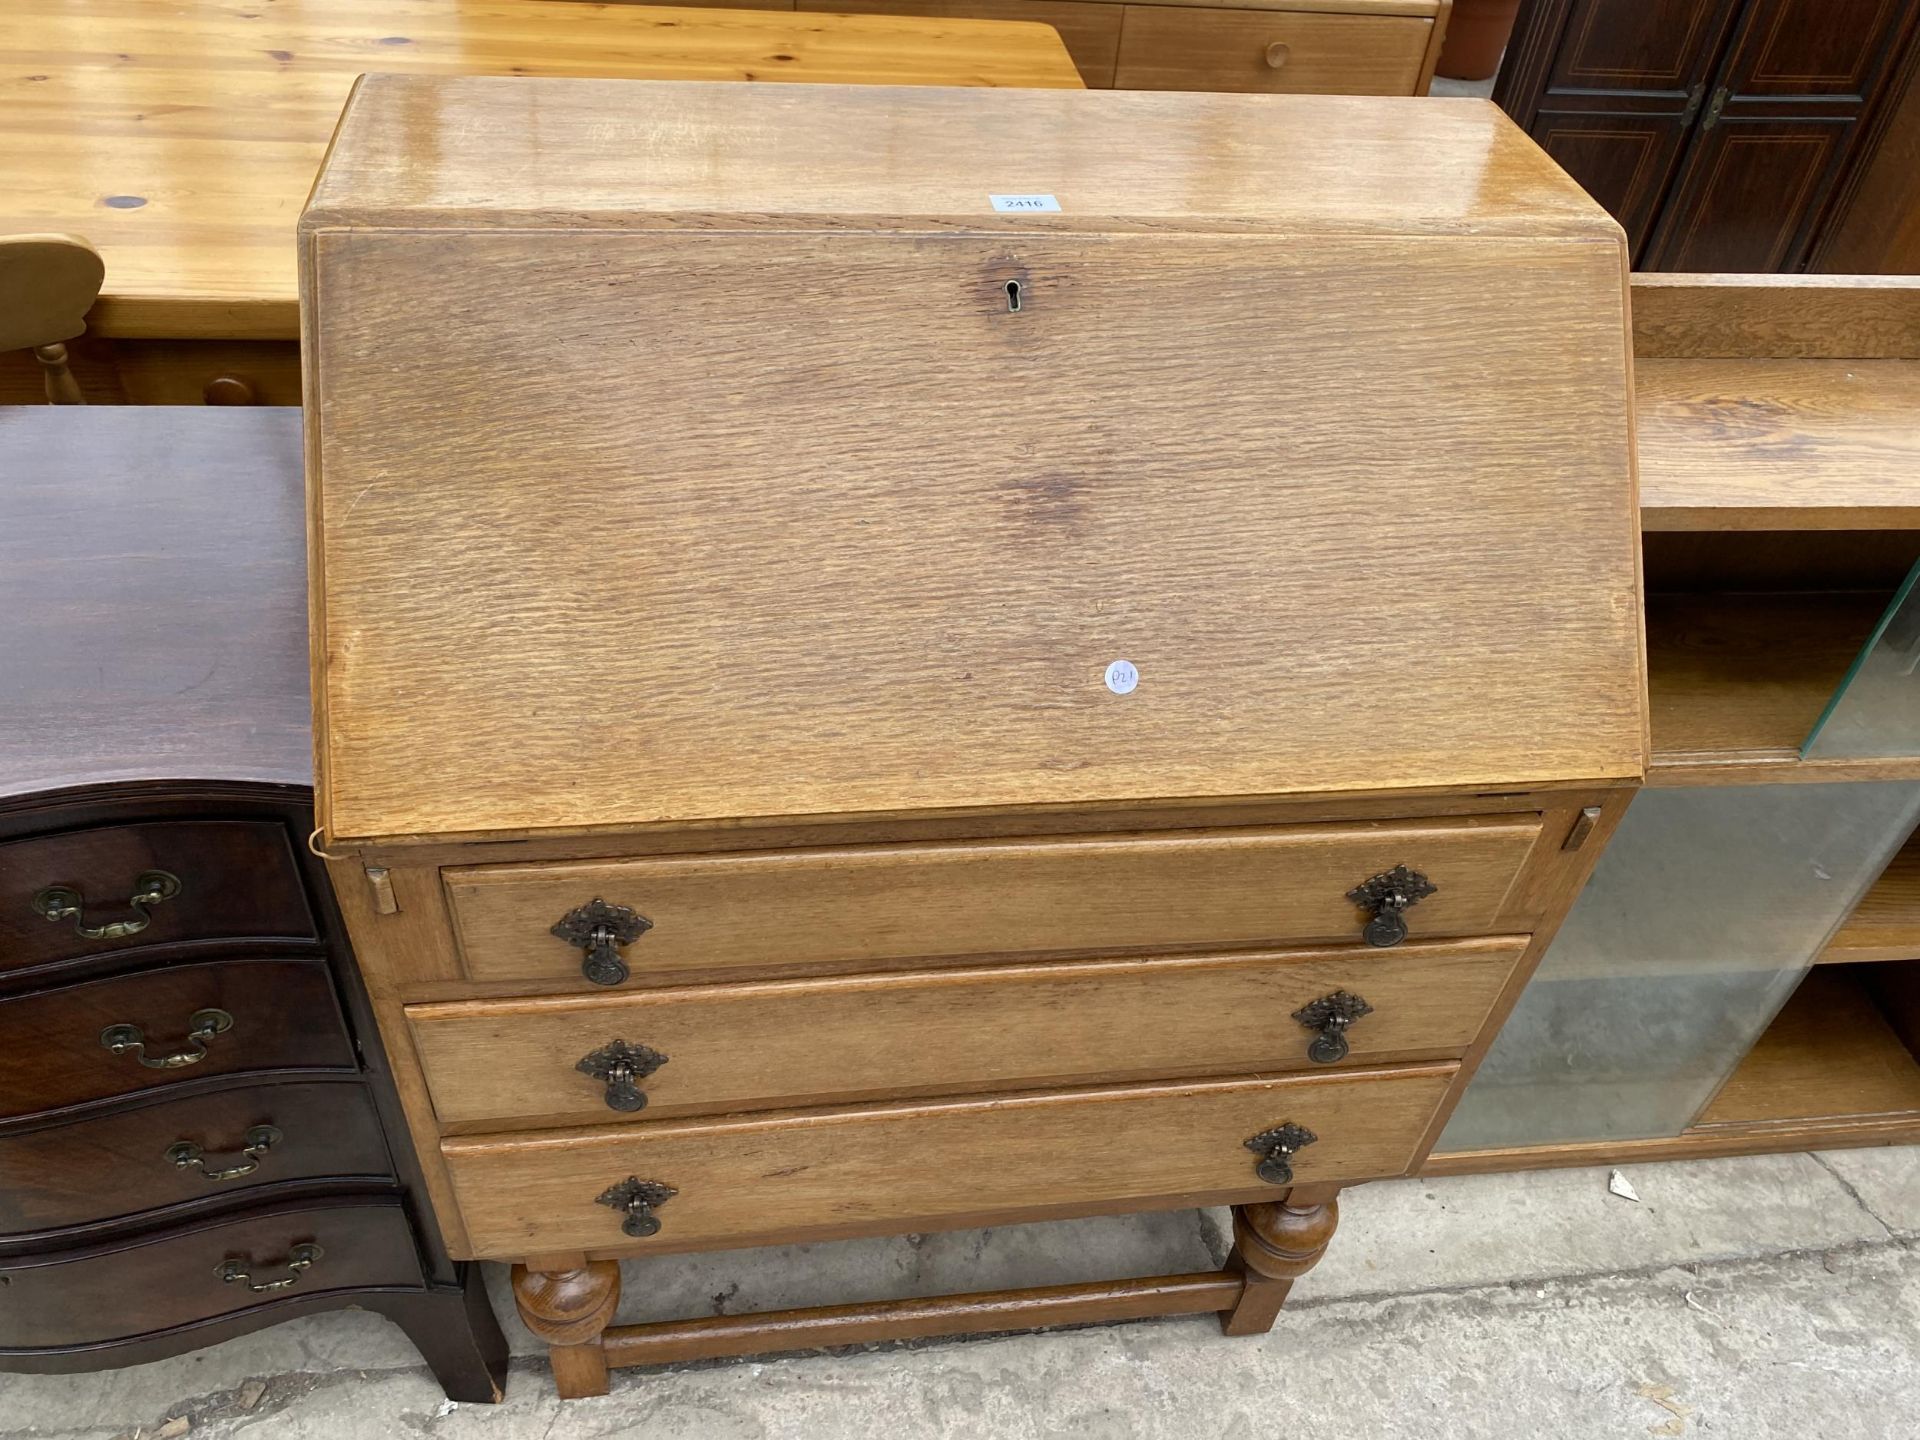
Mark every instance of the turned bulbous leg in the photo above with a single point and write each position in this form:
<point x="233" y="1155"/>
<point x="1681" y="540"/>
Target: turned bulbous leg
<point x="569" y="1309"/>
<point x="1274" y="1245"/>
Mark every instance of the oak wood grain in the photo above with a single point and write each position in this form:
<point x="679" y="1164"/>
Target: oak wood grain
<point x="507" y="1064"/>
<point x="182" y="142"/>
<point x="1092" y="1303"/>
<point x="932" y="1165"/>
<point x="1770" y="444"/>
<point x="942" y="643"/>
<point x="1776" y="317"/>
<point x="724" y="916"/>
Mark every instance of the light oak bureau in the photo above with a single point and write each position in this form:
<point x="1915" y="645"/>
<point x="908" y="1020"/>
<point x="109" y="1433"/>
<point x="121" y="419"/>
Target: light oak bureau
<point x="841" y="710"/>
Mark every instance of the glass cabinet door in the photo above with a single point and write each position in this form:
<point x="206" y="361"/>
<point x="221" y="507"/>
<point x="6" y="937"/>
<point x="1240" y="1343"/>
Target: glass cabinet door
<point x="1700" y="920"/>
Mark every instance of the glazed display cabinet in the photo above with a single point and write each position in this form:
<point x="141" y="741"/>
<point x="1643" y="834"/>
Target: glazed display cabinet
<point x="1743" y="971"/>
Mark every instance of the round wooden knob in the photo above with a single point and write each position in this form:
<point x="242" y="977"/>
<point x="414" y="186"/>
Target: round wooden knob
<point x="227" y="390"/>
<point x="1277" y="54"/>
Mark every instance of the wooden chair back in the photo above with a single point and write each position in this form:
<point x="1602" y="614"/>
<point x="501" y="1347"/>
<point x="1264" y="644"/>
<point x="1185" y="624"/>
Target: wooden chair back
<point x="47" y="285"/>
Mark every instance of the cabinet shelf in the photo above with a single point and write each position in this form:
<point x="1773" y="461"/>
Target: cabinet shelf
<point x="1736" y="682"/>
<point x="1778" y="444"/>
<point x="1886" y="924"/>
<point x="1830" y="1070"/>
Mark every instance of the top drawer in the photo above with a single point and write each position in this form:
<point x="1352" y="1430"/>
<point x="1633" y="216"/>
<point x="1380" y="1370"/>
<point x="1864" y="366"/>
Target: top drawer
<point x="859" y="907"/>
<point x="81" y="893"/>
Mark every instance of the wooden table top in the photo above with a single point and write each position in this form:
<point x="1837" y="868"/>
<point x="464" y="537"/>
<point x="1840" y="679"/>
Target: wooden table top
<point x="181" y="138"/>
<point x="153" y="572"/>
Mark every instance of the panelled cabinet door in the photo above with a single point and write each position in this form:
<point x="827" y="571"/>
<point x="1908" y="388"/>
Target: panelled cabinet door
<point x="1751" y="190"/>
<point x="1658" y="47"/>
<point x="1624" y="159"/>
<point x="1774" y="134"/>
<point x="1623" y="89"/>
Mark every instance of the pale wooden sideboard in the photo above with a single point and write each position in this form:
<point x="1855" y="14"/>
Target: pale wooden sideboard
<point x="878" y="690"/>
<point x="1329" y="47"/>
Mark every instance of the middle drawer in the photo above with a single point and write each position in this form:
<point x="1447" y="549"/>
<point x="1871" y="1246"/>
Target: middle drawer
<point x="511" y="1063"/>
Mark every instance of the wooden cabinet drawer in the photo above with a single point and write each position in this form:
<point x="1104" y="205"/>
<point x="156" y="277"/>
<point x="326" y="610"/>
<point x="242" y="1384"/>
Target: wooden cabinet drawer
<point x="53" y="1050"/>
<point x="132" y="1287"/>
<point x="724" y="915"/>
<point x="236" y="880"/>
<point x="59" y="1176"/>
<point x="504" y="1064"/>
<point x="1178" y="47"/>
<point x="929" y="1166"/>
<point x="1090" y="31"/>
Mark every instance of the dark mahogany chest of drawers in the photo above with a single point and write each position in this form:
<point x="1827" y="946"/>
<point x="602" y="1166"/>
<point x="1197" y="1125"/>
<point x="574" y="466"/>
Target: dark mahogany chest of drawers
<point x="194" y="1114"/>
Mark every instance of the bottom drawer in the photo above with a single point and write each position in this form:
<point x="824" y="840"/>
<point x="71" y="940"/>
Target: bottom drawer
<point x="929" y="1166"/>
<point x="130" y="1288"/>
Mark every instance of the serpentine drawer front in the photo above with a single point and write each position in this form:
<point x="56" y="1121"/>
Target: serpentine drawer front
<point x="154" y="1281"/>
<point x="805" y="1042"/>
<point x="723" y="915"/>
<point x="912" y="1167"/>
<point x="190" y="1148"/>
<point x="167" y="1026"/>
<point x="117" y="887"/>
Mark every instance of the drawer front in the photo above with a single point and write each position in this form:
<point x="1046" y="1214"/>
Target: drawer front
<point x="915" y="1167"/>
<point x="187" y="1149"/>
<point x="134" y="1287"/>
<point x="232" y="880"/>
<point x="504" y="1064"/>
<point x="1091" y="32"/>
<point x="723" y="915"/>
<point x="1175" y="47"/>
<point x="53" y="1043"/>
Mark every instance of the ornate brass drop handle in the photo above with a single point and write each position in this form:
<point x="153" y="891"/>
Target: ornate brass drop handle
<point x="622" y="1067"/>
<point x="63" y="902"/>
<point x="637" y="1199"/>
<point x="233" y="1270"/>
<point x="255" y="1144"/>
<point x="202" y="1026"/>
<point x="600" y="929"/>
<point x="1276" y="1149"/>
<point x="1389" y="895"/>
<point x="1331" y="1015"/>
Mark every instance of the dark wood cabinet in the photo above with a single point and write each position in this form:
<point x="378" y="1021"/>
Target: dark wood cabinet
<point x="1724" y="135"/>
<point x="199" y="1131"/>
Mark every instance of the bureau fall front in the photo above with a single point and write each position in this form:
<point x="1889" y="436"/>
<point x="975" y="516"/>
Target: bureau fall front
<point x="889" y="660"/>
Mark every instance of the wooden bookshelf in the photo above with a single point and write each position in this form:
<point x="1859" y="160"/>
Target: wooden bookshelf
<point x="1779" y="462"/>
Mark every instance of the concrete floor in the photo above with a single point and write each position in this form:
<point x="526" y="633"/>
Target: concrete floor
<point x="1774" y="1296"/>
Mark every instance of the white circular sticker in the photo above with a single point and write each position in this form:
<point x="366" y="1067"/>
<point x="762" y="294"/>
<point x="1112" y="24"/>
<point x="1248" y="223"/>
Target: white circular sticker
<point x="1122" y="677"/>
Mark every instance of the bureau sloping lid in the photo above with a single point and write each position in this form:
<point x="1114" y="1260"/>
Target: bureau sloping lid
<point x="686" y="452"/>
